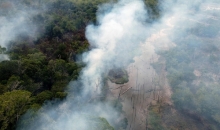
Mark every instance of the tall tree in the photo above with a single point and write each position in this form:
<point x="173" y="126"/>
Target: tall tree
<point x="12" y="106"/>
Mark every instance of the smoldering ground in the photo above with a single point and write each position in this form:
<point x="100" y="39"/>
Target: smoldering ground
<point x="120" y="34"/>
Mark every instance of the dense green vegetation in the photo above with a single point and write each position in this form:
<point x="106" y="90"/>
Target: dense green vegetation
<point x="40" y="68"/>
<point x="13" y="105"/>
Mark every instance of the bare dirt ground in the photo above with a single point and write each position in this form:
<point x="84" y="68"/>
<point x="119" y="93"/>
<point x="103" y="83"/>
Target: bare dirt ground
<point x="145" y="87"/>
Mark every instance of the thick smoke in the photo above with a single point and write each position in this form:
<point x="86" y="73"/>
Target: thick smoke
<point x="15" y="21"/>
<point x="120" y="34"/>
<point x="115" y="40"/>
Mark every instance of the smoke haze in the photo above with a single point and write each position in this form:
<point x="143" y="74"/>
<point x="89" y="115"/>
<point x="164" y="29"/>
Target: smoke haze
<point x="113" y="45"/>
<point x="120" y="37"/>
<point x="15" y="21"/>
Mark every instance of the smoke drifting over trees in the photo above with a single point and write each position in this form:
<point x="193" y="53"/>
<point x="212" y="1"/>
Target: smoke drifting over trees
<point x="16" y="18"/>
<point x="169" y="48"/>
<point x="111" y="40"/>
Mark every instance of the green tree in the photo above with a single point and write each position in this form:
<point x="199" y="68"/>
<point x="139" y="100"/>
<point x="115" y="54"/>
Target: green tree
<point x="14" y="82"/>
<point x="12" y="106"/>
<point x="2" y="50"/>
<point x="43" y="96"/>
<point x="3" y="89"/>
<point x="7" y="69"/>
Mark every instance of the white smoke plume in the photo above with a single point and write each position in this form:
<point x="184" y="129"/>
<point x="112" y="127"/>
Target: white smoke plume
<point x="115" y="40"/>
<point x="3" y="57"/>
<point x="15" y="21"/>
<point x="120" y="35"/>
